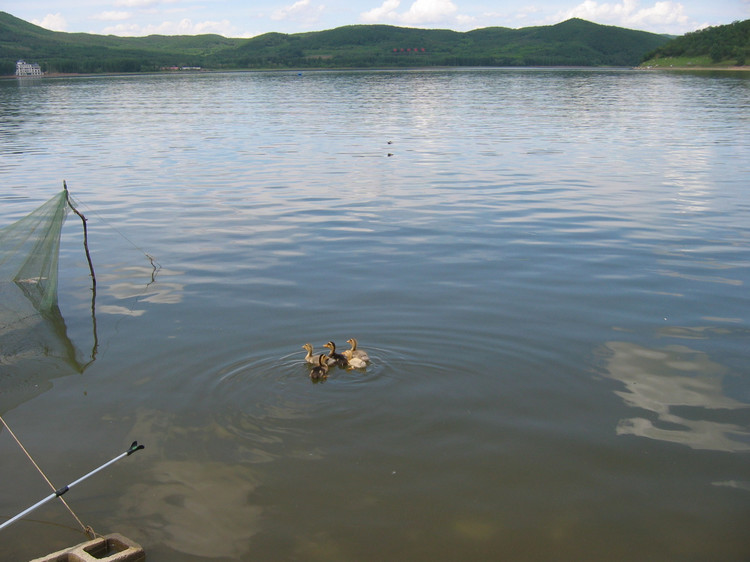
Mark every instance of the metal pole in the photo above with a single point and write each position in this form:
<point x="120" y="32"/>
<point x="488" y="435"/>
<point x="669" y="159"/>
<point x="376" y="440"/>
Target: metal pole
<point x="133" y="448"/>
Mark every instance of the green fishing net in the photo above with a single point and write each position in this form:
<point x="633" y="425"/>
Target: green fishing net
<point x="34" y="345"/>
<point x="29" y="250"/>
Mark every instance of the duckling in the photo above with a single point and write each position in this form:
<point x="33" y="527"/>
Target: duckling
<point x="310" y="358"/>
<point x="354" y="352"/>
<point x="353" y="361"/>
<point x="356" y="363"/>
<point x="333" y="357"/>
<point x="320" y="371"/>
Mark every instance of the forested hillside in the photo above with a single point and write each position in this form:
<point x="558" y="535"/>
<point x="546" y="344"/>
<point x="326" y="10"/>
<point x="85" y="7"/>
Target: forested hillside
<point x="571" y="43"/>
<point x="87" y="53"/>
<point x="726" y="45"/>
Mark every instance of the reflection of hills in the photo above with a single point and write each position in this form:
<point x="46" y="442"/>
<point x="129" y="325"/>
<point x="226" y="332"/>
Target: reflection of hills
<point x="676" y="378"/>
<point x="200" y="508"/>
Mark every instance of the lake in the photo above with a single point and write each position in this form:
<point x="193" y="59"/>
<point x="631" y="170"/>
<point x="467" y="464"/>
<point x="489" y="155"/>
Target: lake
<point x="549" y="269"/>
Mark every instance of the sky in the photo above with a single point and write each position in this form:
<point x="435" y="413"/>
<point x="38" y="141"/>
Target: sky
<point x="248" y="18"/>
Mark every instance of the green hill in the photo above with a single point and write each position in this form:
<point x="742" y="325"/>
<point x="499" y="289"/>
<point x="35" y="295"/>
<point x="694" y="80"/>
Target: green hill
<point x="88" y="53"/>
<point x="571" y="43"/>
<point x="724" y="45"/>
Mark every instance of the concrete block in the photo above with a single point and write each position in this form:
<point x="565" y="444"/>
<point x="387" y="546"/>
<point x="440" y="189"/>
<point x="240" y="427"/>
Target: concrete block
<point x="109" y="548"/>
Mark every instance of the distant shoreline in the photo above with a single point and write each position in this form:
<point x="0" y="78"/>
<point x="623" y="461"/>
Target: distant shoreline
<point x="722" y="68"/>
<point x="745" y="68"/>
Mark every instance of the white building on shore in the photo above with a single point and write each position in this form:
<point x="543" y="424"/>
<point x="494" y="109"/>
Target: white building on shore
<point x="28" y="69"/>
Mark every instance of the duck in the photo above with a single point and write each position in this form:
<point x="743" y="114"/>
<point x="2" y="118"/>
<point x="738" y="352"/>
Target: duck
<point x="356" y="363"/>
<point x="354" y="352"/>
<point x="320" y="371"/>
<point x="310" y="358"/>
<point x="333" y="357"/>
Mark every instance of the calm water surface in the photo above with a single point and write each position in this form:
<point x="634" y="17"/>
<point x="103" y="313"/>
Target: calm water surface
<point x="549" y="269"/>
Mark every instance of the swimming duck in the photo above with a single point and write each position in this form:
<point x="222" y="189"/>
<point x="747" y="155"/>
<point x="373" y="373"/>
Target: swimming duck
<point x="310" y="358"/>
<point x="354" y="352"/>
<point x="356" y="363"/>
<point x="333" y="357"/>
<point x="320" y="371"/>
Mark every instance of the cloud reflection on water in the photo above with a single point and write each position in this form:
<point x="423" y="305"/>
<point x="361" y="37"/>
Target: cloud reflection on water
<point x="662" y="380"/>
<point x="196" y="507"/>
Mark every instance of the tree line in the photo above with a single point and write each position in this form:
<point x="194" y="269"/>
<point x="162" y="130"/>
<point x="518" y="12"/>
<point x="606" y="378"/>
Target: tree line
<point x="724" y="43"/>
<point x="574" y="42"/>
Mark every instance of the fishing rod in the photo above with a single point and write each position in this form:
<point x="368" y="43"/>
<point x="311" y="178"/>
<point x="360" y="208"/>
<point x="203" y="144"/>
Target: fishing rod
<point x="133" y="448"/>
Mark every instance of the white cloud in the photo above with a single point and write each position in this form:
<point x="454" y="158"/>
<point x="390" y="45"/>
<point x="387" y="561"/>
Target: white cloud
<point x="419" y="13"/>
<point x="629" y="13"/>
<point x="662" y="12"/>
<point x="427" y="11"/>
<point x="135" y="3"/>
<point x="182" y="27"/>
<point x="527" y="11"/>
<point x="386" y="11"/>
<point x="55" y="22"/>
<point x="112" y="16"/>
<point x="301" y="10"/>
